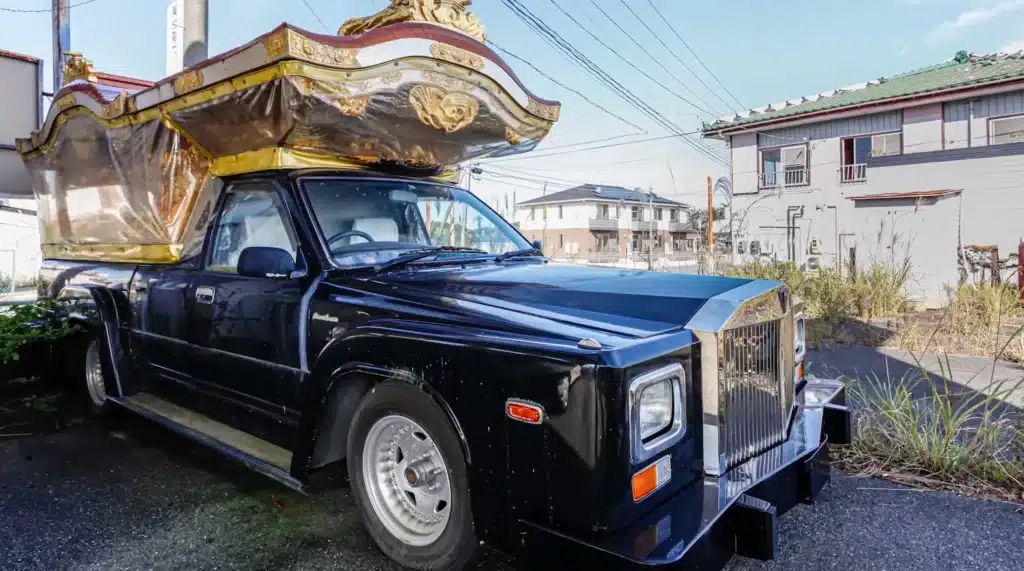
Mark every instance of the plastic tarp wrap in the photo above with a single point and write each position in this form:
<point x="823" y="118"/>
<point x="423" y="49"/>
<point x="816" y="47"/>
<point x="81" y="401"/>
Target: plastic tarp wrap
<point x="119" y="193"/>
<point x="133" y="176"/>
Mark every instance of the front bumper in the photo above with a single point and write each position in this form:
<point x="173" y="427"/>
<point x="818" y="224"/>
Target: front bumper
<point x="706" y="523"/>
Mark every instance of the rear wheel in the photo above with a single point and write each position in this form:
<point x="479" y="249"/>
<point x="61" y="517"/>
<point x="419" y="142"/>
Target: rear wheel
<point x="409" y="479"/>
<point x="95" y="376"/>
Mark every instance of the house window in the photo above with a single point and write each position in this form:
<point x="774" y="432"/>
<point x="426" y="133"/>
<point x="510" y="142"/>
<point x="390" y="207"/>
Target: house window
<point x="533" y="213"/>
<point x="1006" y="130"/>
<point x="658" y="215"/>
<point x="561" y="244"/>
<point x="856" y="150"/>
<point x="673" y="215"/>
<point x="659" y="242"/>
<point x="602" y="212"/>
<point x="636" y="214"/>
<point x="690" y="244"/>
<point x="636" y="241"/>
<point x="784" y="166"/>
<point x="559" y="211"/>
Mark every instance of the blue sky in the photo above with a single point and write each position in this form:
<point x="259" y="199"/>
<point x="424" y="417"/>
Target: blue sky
<point x="761" y="51"/>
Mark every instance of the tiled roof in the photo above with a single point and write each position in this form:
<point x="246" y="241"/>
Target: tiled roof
<point x="964" y="70"/>
<point x="16" y="55"/>
<point x="600" y="192"/>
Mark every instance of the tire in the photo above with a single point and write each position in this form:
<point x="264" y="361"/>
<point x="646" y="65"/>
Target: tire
<point x="96" y="374"/>
<point x="388" y="406"/>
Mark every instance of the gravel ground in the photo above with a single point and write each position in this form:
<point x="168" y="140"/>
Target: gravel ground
<point x="127" y="495"/>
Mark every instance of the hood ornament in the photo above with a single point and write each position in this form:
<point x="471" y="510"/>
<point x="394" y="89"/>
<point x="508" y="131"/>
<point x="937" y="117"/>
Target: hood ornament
<point x="588" y="343"/>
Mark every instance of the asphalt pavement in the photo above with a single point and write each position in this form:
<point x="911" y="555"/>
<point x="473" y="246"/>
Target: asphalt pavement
<point x="127" y="495"/>
<point x="124" y="494"/>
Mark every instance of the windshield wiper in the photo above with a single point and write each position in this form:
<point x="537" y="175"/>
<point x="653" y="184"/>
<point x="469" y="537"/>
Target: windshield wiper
<point x="526" y="252"/>
<point x="414" y="255"/>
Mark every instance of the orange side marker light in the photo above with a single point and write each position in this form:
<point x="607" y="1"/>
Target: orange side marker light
<point x="522" y="411"/>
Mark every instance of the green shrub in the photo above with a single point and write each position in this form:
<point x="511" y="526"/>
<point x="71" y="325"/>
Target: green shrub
<point x="31" y="323"/>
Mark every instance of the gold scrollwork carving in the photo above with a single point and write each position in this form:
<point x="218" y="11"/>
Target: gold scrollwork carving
<point x="451" y="14"/>
<point x="188" y="81"/>
<point x="513" y="136"/>
<point x="391" y="78"/>
<point x="76" y="68"/>
<point x="276" y="45"/>
<point x="442" y="110"/>
<point x="351" y="106"/>
<point x="448" y="81"/>
<point x="456" y="55"/>
<point x="549" y="112"/>
<point x="116" y="106"/>
<point x="324" y="54"/>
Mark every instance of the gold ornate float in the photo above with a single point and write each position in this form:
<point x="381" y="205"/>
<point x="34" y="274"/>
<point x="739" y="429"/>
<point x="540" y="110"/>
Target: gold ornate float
<point x="131" y="175"/>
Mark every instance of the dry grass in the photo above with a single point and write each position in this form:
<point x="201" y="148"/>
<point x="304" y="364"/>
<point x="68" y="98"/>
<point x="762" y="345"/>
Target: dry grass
<point x="915" y="430"/>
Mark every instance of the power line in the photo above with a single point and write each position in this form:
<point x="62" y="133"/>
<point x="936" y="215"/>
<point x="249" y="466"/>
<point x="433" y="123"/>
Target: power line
<point x="712" y="112"/>
<point x="694" y="54"/>
<point x="673" y="54"/>
<point x="571" y="53"/>
<point x="44" y="10"/>
<point x="626" y="61"/>
<point x="317" y="16"/>
<point x="564" y="86"/>
<point x="638" y="141"/>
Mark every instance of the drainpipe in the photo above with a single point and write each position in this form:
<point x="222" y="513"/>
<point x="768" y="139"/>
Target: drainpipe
<point x="791" y="216"/>
<point x="970" y="119"/>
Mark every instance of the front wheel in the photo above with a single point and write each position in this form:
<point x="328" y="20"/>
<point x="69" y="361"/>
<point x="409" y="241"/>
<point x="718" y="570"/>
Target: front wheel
<point x="409" y="479"/>
<point x="96" y="377"/>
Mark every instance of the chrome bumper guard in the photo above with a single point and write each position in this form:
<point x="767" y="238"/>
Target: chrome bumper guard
<point x="704" y="524"/>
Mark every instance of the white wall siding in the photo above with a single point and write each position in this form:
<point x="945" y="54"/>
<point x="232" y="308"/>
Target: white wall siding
<point x="848" y="127"/>
<point x="744" y="163"/>
<point x="969" y="119"/>
<point x="922" y="128"/>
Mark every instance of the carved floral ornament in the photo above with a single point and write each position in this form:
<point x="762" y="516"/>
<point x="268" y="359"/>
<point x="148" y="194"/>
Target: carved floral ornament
<point x="188" y="81"/>
<point x="443" y="110"/>
<point x="77" y="68"/>
<point x="456" y="55"/>
<point x="451" y="14"/>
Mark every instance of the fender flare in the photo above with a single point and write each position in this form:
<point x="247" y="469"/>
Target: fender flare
<point x="324" y="427"/>
<point x="94" y="309"/>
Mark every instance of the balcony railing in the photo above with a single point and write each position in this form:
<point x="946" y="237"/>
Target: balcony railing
<point x="604" y="224"/>
<point x="786" y="178"/>
<point x="676" y="226"/>
<point x="853" y="173"/>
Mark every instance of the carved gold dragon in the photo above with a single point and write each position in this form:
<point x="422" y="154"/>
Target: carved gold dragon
<point x="450" y="14"/>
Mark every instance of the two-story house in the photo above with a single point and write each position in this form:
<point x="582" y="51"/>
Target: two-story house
<point x="922" y="165"/>
<point x="606" y="224"/>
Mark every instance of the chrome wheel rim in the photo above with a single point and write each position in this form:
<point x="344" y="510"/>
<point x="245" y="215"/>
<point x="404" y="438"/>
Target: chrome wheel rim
<point x="407" y="480"/>
<point x="94" y="375"/>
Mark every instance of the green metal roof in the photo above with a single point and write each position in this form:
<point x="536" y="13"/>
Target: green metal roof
<point x="962" y="71"/>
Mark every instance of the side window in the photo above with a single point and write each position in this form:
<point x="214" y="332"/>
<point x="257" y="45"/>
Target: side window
<point x="254" y="217"/>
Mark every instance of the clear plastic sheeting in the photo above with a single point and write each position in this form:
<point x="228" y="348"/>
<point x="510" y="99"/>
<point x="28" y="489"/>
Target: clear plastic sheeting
<point x="119" y="193"/>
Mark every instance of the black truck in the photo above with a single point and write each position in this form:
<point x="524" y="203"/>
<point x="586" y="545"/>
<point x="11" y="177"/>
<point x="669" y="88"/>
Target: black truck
<point x="475" y="391"/>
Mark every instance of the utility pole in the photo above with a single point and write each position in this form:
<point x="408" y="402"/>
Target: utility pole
<point x="195" y="38"/>
<point x="650" y="233"/>
<point x="711" y="228"/>
<point x="61" y="39"/>
<point x="544" y="213"/>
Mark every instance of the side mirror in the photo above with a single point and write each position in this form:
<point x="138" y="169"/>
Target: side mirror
<point x="537" y="245"/>
<point x="265" y="262"/>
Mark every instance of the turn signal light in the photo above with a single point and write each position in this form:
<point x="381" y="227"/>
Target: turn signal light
<point x="799" y="372"/>
<point x="524" y="412"/>
<point x="648" y="480"/>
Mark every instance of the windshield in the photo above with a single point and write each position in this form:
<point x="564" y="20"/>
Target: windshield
<point x="371" y="221"/>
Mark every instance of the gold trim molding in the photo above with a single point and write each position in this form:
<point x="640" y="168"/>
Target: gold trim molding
<point x="451" y="14"/>
<point x="188" y="81"/>
<point x="549" y="112"/>
<point x="456" y="55"/>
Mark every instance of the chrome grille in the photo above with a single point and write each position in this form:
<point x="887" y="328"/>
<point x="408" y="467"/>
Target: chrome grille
<point x="755" y="388"/>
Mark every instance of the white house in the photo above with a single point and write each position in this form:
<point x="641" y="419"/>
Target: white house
<point x="606" y="224"/>
<point x="927" y="164"/>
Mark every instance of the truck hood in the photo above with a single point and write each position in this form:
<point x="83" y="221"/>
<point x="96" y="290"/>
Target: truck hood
<point x="622" y="302"/>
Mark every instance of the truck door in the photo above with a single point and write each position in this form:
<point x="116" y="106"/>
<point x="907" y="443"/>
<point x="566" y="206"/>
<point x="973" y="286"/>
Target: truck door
<point x="244" y="329"/>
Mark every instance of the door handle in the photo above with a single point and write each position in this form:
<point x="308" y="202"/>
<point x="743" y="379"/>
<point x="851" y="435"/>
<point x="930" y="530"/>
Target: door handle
<point x="204" y="294"/>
